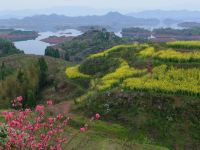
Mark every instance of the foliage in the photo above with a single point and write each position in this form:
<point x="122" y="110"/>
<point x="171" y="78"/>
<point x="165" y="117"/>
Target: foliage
<point x="184" y="44"/>
<point x="50" y="51"/>
<point x="35" y="129"/>
<point x="28" y="81"/>
<point x="73" y="72"/>
<point x="124" y="71"/>
<point x="112" y="50"/>
<point x="79" y="78"/>
<point x="175" y="56"/>
<point x="147" y="52"/>
<point x="7" y="48"/>
<point x="32" y="130"/>
<point x="98" y="66"/>
<point x="43" y="72"/>
<point x="177" y="32"/>
<point x="5" y="70"/>
<point x="167" y="80"/>
<point x="90" y="42"/>
<point x="170" y="55"/>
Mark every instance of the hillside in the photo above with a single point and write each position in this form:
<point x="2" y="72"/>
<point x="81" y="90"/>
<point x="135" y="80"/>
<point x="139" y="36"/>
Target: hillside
<point x="80" y="47"/>
<point x="20" y="73"/>
<point x="153" y="90"/>
<point x="7" y="48"/>
<point x="101" y="135"/>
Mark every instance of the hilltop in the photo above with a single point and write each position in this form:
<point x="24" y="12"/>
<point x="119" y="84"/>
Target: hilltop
<point x="80" y="47"/>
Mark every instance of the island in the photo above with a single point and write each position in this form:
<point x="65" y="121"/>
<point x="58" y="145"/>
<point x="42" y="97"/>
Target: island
<point x="57" y="40"/>
<point x="18" y="35"/>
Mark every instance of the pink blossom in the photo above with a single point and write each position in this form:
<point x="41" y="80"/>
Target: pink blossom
<point x="82" y="129"/>
<point x="97" y="116"/>
<point x="8" y="115"/>
<point x="19" y="98"/>
<point x="30" y="126"/>
<point x="27" y="110"/>
<point x="65" y="122"/>
<point x="59" y="116"/>
<point x="51" y="120"/>
<point x="39" y="108"/>
<point x="49" y="102"/>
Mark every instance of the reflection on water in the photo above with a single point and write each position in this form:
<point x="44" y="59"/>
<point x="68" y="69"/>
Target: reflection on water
<point x="38" y="47"/>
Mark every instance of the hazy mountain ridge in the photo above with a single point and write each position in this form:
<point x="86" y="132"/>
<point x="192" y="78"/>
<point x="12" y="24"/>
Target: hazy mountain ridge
<point x="46" y="22"/>
<point x="174" y="14"/>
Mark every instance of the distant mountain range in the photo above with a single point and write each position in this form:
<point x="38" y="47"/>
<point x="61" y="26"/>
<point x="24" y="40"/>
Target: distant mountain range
<point x="113" y="20"/>
<point x="65" y="10"/>
<point x="185" y="15"/>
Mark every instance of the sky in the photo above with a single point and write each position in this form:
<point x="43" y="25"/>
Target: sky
<point x="124" y="5"/>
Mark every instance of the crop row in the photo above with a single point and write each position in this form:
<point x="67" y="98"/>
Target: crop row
<point x="184" y="44"/>
<point x="167" y="80"/>
<point x="120" y="73"/>
<point x="171" y="55"/>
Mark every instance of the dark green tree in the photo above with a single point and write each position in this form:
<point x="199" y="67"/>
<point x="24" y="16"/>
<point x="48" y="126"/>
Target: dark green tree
<point x="50" y="51"/>
<point x="31" y="99"/>
<point x="43" y="72"/>
<point x="67" y="56"/>
<point x="2" y="71"/>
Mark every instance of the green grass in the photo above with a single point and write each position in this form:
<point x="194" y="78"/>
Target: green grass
<point x="101" y="136"/>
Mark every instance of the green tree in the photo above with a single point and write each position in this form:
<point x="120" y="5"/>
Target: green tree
<point x="31" y="99"/>
<point x="43" y="72"/>
<point x="2" y="71"/>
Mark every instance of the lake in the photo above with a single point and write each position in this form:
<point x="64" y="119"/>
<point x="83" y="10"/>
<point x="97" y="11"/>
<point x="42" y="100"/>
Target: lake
<point x="38" y="47"/>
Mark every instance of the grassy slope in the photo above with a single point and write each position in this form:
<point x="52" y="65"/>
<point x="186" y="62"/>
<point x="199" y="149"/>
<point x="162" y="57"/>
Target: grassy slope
<point x="101" y="135"/>
<point x="65" y="89"/>
<point x="165" y="119"/>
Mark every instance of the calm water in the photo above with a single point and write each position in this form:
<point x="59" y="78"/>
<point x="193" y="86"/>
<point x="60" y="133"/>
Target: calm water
<point x="38" y="47"/>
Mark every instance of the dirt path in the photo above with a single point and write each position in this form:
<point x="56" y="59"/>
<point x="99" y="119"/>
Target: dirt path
<point x="62" y="108"/>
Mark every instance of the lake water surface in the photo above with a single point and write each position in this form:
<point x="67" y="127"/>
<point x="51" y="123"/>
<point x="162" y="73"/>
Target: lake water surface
<point x="38" y="47"/>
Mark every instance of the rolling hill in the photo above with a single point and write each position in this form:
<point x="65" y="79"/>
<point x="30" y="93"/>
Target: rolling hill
<point x="80" y="47"/>
<point x="151" y="89"/>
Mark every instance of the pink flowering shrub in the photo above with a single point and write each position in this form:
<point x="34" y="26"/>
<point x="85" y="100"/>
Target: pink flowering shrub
<point x="28" y="129"/>
<point x="33" y="129"/>
<point x="97" y="116"/>
<point x="17" y="102"/>
<point x="49" y="102"/>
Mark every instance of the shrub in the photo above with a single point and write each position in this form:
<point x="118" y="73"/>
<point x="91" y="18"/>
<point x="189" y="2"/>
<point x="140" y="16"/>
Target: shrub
<point x="27" y="129"/>
<point x="99" y="66"/>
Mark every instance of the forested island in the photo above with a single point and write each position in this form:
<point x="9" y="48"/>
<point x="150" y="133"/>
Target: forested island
<point x="162" y="34"/>
<point x="18" y="35"/>
<point x="57" y="40"/>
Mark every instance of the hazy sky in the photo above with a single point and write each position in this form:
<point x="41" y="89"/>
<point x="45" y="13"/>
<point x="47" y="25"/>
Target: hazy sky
<point x="129" y="5"/>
